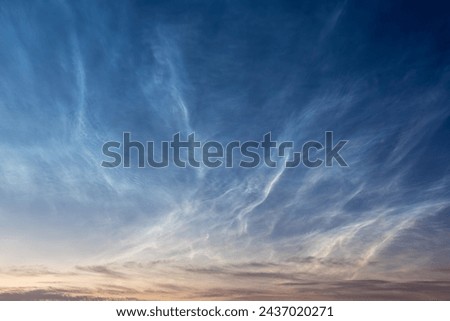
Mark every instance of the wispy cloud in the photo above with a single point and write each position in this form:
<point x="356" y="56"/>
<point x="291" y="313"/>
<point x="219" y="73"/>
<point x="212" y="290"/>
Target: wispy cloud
<point x="75" y="75"/>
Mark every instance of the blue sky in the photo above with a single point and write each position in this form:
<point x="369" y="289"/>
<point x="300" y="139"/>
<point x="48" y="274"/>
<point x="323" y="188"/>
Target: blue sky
<point x="74" y="75"/>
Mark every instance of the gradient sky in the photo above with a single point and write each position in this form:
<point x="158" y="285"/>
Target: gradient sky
<point x="76" y="74"/>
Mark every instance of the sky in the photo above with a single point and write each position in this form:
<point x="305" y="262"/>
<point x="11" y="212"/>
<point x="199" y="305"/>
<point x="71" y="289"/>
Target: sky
<point x="76" y="74"/>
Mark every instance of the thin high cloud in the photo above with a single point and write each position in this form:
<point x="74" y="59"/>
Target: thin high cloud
<point x="226" y="71"/>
